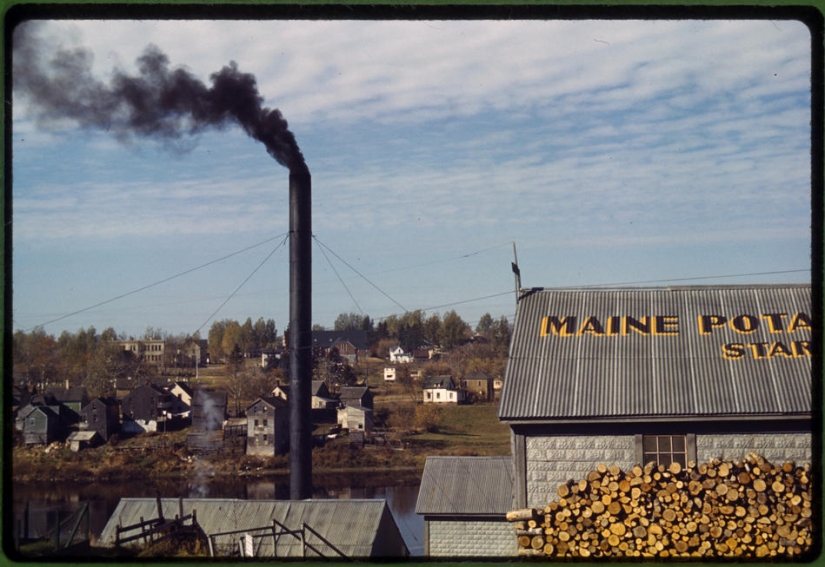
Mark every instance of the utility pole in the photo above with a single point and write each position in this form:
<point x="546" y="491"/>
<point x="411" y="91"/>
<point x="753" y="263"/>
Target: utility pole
<point x="516" y="271"/>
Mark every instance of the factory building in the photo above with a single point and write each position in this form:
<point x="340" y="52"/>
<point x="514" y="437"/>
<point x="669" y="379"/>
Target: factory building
<point x="630" y="376"/>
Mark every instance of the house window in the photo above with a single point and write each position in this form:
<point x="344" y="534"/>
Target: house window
<point x="665" y="449"/>
<point x="438" y="395"/>
<point x="256" y="423"/>
<point x="266" y="422"/>
<point x="266" y="437"/>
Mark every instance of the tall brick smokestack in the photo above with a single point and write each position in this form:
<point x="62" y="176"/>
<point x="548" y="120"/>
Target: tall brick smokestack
<point x="169" y="104"/>
<point x="300" y="337"/>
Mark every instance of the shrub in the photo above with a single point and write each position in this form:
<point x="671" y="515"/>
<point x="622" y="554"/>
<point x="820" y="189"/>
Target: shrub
<point x="427" y="418"/>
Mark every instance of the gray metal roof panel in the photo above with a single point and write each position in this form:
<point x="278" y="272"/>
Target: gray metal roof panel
<point x="592" y="375"/>
<point x="354" y="526"/>
<point x="466" y="485"/>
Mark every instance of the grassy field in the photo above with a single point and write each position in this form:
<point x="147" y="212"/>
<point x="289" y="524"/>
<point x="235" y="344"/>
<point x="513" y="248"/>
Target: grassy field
<point x="464" y="430"/>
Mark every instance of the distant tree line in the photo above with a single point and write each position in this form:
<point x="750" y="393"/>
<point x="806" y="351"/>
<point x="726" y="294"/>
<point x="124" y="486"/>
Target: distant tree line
<point x="415" y="329"/>
<point x="227" y="337"/>
<point x="87" y="358"/>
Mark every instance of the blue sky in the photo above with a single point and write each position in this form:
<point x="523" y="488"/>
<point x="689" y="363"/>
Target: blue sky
<point x="609" y="151"/>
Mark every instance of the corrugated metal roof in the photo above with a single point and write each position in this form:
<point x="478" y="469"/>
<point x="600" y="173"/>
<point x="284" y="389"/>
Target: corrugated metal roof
<point x="466" y="485"/>
<point x="359" y="528"/>
<point x="592" y="374"/>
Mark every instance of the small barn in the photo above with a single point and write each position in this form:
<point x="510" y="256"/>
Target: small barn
<point x="637" y="375"/>
<point x="267" y="431"/>
<point x="464" y="501"/>
<point x="356" y="528"/>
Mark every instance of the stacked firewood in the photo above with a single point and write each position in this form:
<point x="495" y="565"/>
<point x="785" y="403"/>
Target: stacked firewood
<point x="746" y="509"/>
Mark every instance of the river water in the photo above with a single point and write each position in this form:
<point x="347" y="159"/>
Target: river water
<point x="399" y="492"/>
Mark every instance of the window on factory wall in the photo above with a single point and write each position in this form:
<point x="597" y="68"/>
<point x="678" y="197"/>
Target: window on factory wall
<point x="665" y="449"/>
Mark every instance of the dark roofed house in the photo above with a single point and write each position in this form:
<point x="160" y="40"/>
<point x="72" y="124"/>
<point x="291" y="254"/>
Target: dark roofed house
<point x="356" y="396"/>
<point x="629" y="376"/>
<point x="42" y="425"/>
<point x="101" y="415"/>
<point x="145" y="407"/>
<point x="74" y="398"/>
<point x="351" y="345"/>
<point x="464" y="501"/>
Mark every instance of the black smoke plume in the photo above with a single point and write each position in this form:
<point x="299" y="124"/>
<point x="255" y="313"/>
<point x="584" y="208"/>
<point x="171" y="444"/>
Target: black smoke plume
<point x="159" y="102"/>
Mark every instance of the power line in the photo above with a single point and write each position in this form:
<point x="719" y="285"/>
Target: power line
<point x="469" y="300"/>
<point x="151" y="285"/>
<point x="231" y="295"/>
<point x="697" y="278"/>
<point x="339" y="277"/>
<point x="381" y="291"/>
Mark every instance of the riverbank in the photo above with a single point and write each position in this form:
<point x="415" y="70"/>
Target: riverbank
<point x="456" y="430"/>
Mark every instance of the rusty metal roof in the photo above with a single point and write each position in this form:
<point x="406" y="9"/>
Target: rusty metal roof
<point x="477" y="486"/>
<point x="359" y="528"/>
<point x="662" y="352"/>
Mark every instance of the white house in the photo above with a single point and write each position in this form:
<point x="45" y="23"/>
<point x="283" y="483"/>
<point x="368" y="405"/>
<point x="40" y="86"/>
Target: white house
<point x="442" y="390"/>
<point x="397" y="354"/>
<point x="389" y="374"/>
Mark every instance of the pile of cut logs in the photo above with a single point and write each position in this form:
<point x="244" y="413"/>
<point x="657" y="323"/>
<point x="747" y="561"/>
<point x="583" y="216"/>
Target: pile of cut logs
<point x="746" y="509"/>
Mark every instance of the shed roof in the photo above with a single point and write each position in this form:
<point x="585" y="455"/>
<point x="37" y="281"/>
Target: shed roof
<point x="359" y="528"/>
<point x="478" y="486"/>
<point x="571" y="359"/>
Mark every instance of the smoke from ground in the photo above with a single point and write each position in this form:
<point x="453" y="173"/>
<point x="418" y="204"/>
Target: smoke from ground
<point x="159" y="102"/>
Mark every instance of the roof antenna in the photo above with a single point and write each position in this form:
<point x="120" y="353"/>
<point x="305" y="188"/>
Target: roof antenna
<point x="516" y="271"/>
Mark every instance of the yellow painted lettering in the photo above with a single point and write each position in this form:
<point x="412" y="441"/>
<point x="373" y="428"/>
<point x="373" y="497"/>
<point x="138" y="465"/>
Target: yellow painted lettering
<point x="779" y="349"/>
<point x="733" y="351"/>
<point x="563" y="327"/>
<point x="760" y="350"/>
<point x="774" y="321"/>
<point x="799" y="322"/>
<point x="666" y="325"/>
<point x="744" y="324"/>
<point x="802" y="348"/>
<point x="708" y="322"/>
<point x="592" y="326"/>
<point x="641" y="326"/>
